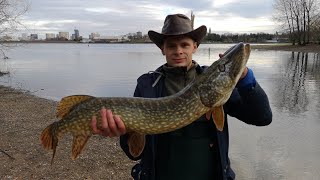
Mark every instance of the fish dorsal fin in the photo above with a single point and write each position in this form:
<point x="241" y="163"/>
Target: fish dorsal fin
<point x="68" y="102"/>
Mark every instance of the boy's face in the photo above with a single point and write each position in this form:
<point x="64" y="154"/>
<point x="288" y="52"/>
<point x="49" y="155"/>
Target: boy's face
<point x="178" y="50"/>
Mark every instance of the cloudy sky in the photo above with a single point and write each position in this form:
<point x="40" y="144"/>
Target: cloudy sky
<point x="119" y="17"/>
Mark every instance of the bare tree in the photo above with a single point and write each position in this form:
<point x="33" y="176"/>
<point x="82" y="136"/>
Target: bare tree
<point x="315" y="31"/>
<point x="312" y="10"/>
<point x="10" y="13"/>
<point x="284" y="15"/>
<point x="296" y="18"/>
<point x="304" y="20"/>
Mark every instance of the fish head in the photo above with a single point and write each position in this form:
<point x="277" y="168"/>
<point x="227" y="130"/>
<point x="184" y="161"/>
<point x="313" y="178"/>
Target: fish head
<point x="219" y="79"/>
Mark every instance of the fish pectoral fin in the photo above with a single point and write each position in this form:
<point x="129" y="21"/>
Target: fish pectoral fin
<point x="67" y="103"/>
<point x="218" y="117"/>
<point x="79" y="142"/>
<point x="136" y="143"/>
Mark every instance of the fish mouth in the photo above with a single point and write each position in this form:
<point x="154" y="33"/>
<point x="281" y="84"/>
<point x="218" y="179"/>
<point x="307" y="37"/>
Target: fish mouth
<point x="237" y="58"/>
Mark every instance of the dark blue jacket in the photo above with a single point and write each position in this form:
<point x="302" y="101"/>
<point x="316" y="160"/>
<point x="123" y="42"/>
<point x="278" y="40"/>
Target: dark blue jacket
<point x="248" y="103"/>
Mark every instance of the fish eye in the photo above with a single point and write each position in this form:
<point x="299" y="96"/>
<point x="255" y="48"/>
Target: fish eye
<point x="222" y="68"/>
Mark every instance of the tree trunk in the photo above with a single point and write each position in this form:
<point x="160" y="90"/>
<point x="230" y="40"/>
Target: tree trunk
<point x="308" y="29"/>
<point x="304" y="22"/>
<point x="292" y="25"/>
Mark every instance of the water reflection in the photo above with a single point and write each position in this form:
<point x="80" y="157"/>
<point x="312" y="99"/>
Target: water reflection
<point x="295" y="82"/>
<point x="286" y="149"/>
<point x="4" y="67"/>
<point x="208" y="53"/>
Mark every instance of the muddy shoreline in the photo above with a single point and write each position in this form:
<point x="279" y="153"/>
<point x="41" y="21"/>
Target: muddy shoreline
<point x="310" y="48"/>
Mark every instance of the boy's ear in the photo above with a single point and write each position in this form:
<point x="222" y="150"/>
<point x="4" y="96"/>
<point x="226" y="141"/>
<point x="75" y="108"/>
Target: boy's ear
<point x="195" y="47"/>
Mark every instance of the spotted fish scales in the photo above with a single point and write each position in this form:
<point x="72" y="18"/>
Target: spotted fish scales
<point x="207" y="93"/>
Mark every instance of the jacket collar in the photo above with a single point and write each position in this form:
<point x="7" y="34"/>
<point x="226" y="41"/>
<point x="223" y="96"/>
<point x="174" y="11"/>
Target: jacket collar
<point x="160" y="71"/>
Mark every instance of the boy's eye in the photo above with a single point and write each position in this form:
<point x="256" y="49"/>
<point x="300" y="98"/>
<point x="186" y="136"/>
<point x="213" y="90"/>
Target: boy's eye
<point x="185" y="45"/>
<point x="171" y="45"/>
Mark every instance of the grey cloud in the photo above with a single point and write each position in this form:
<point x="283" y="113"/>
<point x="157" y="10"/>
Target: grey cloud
<point x="126" y="16"/>
<point x="248" y="9"/>
<point x="193" y="5"/>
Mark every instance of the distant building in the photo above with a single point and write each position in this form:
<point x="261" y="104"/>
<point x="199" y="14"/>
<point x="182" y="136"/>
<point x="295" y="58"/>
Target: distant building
<point x="24" y="37"/>
<point x="76" y="35"/>
<point x="107" y="39"/>
<point x="33" y="37"/>
<point x="63" y="35"/>
<point x="94" y="35"/>
<point x="50" y="36"/>
<point x="86" y="40"/>
<point x="139" y="35"/>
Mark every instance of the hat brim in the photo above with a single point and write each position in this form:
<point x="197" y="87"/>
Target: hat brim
<point x="197" y="35"/>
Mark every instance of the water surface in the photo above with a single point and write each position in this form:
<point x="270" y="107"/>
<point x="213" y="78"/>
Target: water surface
<point x="289" y="148"/>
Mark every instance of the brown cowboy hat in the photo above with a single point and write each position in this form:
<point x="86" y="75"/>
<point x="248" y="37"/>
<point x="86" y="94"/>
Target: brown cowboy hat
<point x="177" y="24"/>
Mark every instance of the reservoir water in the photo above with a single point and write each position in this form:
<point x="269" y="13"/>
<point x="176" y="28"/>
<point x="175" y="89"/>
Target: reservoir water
<point x="288" y="148"/>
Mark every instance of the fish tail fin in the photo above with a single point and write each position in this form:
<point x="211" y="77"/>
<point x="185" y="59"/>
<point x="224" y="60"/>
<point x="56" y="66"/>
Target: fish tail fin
<point x="49" y="139"/>
<point x="79" y="141"/>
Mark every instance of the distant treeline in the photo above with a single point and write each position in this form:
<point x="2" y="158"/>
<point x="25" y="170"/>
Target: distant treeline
<point x="252" y="37"/>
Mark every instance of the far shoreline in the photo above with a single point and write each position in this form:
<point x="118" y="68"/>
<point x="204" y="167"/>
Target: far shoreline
<point x="309" y="48"/>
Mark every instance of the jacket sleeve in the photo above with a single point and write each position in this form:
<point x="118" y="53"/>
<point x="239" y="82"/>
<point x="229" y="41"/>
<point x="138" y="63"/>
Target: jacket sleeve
<point x="249" y="103"/>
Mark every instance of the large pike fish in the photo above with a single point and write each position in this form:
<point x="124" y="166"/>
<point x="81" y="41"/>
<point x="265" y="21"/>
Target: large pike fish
<point x="207" y="93"/>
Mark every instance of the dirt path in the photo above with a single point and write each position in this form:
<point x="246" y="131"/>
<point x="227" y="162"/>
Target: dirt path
<point x="23" y="117"/>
